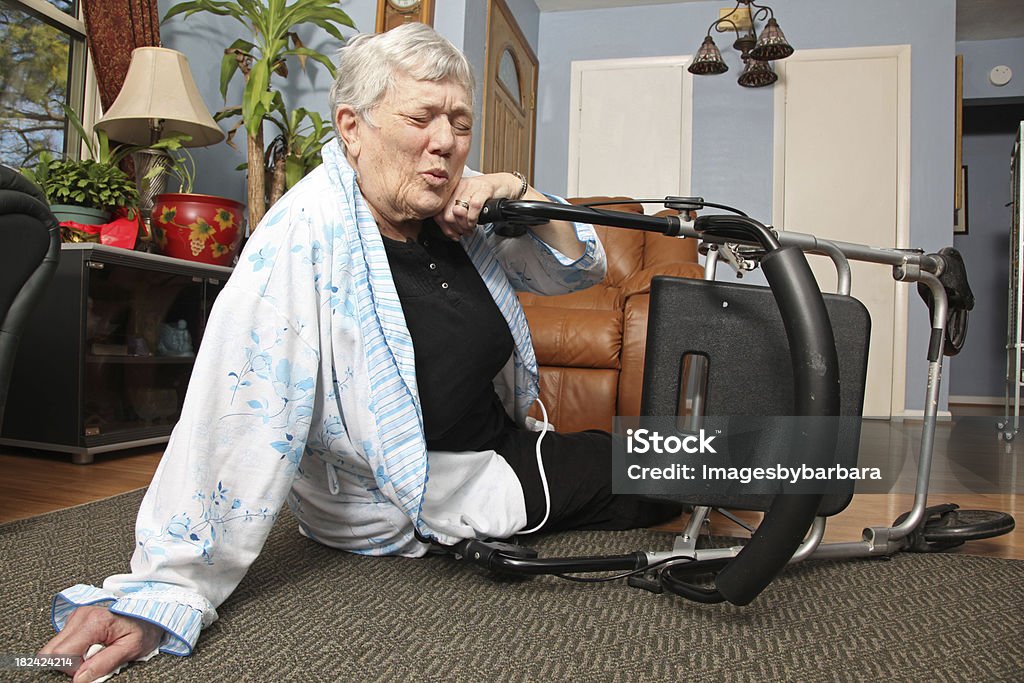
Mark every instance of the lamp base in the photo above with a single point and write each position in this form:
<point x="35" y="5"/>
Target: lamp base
<point x="151" y="170"/>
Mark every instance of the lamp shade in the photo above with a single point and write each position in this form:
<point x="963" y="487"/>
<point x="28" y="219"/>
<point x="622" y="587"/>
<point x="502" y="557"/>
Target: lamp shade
<point x="708" y="60"/>
<point x="757" y="74"/>
<point x="159" y="87"/>
<point x="772" y="44"/>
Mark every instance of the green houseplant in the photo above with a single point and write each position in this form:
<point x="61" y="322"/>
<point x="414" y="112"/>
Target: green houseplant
<point x="294" y="151"/>
<point x="301" y="145"/>
<point x="85" y="191"/>
<point x="96" y="184"/>
<point x="272" y="38"/>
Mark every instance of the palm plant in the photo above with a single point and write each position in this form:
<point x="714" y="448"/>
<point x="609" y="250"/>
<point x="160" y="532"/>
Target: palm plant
<point x="293" y="152"/>
<point x="271" y="24"/>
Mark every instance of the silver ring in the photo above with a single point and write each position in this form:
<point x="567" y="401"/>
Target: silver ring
<point x="463" y="204"/>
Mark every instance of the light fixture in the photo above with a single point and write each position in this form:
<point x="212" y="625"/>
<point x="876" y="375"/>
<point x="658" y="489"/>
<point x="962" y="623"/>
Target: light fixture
<point x="159" y="98"/>
<point x="756" y="74"/>
<point x="756" y="51"/>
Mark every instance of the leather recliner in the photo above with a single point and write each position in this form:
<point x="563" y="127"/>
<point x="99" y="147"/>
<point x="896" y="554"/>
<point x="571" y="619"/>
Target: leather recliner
<point x="27" y="263"/>
<point x="590" y="344"/>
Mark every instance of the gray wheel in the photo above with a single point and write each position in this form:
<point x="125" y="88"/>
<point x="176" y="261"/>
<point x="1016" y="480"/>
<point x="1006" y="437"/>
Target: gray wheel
<point x="1008" y="436"/>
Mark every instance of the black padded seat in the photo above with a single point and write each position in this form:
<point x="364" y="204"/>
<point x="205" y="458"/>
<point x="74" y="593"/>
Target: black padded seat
<point x="28" y="258"/>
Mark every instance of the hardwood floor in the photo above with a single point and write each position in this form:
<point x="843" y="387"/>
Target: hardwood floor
<point x="33" y="483"/>
<point x="876" y="510"/>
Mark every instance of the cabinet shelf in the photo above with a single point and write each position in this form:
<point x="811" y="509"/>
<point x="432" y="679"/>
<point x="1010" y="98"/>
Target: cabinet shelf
<point x="141" y="360"/>
<point x="66" y="397"/>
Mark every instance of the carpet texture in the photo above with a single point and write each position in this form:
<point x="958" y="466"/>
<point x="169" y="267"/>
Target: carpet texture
<point x="305" y="612"/>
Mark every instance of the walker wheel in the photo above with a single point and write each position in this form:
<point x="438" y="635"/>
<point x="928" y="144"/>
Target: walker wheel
<point x="946" y="526"/>
<point x="967" y="525"/>
<point x="1008" y="436"/>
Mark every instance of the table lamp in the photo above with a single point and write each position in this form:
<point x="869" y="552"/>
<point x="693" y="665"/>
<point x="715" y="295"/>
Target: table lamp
<point x="159" y="97"/>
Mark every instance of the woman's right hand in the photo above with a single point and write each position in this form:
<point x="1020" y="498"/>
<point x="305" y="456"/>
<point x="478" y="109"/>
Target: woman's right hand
<point x="126" y="639"/>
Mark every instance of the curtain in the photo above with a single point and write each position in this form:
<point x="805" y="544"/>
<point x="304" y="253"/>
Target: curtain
<point x="116" y="27"/>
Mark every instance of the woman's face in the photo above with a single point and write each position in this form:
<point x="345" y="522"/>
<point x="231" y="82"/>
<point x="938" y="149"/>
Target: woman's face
<point x="410" y="150"/>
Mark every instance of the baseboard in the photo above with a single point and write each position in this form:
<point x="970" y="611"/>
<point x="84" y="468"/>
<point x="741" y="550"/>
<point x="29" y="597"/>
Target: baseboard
<point x="941" y="416"/>
<point x="978" y="400"/>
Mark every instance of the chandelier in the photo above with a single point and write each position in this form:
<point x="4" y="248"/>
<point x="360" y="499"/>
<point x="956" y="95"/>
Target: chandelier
<point x="757" y="51"/>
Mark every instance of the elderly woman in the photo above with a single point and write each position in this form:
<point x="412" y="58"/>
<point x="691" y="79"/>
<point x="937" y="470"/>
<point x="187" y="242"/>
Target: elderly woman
<point x="369" y="337"/>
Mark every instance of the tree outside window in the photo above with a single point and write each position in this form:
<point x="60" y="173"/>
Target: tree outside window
<point x="42" y="68"/>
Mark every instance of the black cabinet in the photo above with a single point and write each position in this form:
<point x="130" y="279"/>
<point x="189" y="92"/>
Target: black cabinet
<point x="107" y="356"/>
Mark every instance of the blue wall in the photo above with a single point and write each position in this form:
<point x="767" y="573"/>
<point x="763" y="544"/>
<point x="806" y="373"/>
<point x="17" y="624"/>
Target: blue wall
<point x="475" y="39"/>
<point x="721" y="107"/>
<point x="979" y="58"/>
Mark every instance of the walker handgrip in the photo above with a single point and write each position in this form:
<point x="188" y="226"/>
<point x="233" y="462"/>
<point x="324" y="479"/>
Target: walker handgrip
<point x="816" y="393"/>
<point x="511" y="217"/>
<point x="742" y="229"/>
<point x="960" y="299"/>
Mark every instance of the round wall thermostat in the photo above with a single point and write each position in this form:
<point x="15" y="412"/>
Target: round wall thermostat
<point x="1000" y="75"/>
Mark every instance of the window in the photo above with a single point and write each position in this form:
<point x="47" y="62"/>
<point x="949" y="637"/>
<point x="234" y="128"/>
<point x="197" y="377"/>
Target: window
<point x="42" y="68"/>
<point x="508" y="75"/>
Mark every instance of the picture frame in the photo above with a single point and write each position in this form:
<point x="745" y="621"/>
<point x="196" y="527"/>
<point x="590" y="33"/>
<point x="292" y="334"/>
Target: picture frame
<point x="958" y="131"/>
<point x="960" y="224"/>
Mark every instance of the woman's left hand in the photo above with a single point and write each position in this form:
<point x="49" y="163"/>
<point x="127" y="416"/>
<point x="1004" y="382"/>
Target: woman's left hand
<point x="459" y="216"/>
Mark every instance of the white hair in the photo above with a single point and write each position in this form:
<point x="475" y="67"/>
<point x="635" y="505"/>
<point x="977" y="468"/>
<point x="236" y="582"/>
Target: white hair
<point x="368" y="64"/>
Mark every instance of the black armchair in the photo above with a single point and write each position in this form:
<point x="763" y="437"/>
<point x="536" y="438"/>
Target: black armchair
<point x="29" y="252"/>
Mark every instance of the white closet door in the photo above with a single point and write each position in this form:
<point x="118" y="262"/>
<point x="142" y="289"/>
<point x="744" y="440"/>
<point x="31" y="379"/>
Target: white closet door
<point x="629" y="132"/>
<point x="841" y="172"/>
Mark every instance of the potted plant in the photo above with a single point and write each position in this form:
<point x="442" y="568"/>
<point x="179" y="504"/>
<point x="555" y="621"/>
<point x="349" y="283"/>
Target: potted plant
<point x="87" y="190"/>
<point x="300" y="146"/>
<point x="260" y="56"/>
<point x="195" y="227"/>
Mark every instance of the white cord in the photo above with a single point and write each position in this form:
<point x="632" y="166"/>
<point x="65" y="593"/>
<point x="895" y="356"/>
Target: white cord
<point x="540" y="469"/>
<point x="332" y="480"/>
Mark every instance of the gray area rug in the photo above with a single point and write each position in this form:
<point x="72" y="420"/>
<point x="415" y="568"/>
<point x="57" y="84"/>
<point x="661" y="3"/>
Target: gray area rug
<point x="305" y="612"/>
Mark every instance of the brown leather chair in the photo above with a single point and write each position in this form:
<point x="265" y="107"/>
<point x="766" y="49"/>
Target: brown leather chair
<point x="590" y="344"/>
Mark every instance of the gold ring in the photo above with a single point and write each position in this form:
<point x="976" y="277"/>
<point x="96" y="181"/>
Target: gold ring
<point x="463" y="204"/>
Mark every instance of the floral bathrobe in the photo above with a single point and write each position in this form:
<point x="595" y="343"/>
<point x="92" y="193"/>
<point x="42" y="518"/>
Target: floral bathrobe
<point x="304" y="389"/>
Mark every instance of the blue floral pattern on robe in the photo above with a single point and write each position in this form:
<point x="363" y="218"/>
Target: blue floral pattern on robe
<point x="304" y="389"/>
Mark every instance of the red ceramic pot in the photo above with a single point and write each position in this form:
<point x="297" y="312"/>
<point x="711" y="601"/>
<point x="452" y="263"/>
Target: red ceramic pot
<point x="197" y="227"/>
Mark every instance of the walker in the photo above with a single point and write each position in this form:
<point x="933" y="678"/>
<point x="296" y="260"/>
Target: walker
<point x="794" y="523"/>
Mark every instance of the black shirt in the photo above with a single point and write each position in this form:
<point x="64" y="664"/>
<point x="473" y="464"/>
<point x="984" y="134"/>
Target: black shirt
<point x="460" y="337"/>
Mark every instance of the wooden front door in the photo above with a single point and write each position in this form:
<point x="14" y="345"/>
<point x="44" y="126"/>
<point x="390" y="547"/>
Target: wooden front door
<point x="510" y="95"/>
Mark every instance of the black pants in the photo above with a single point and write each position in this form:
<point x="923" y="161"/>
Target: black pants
<point x="578" y="467"/>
